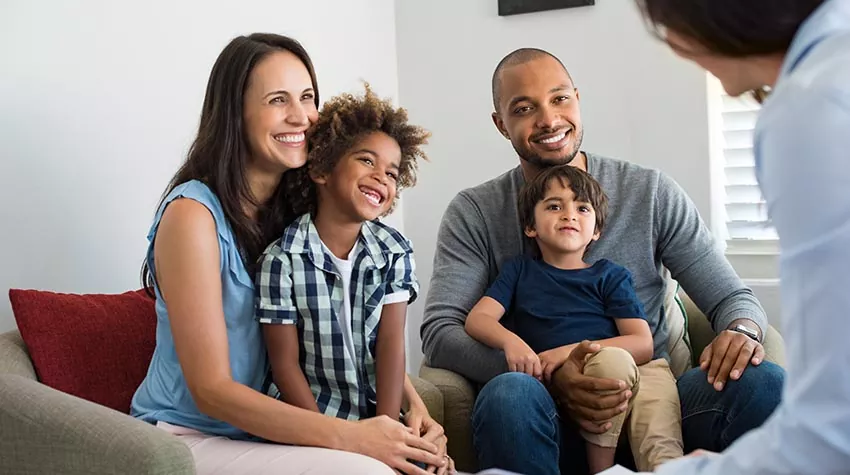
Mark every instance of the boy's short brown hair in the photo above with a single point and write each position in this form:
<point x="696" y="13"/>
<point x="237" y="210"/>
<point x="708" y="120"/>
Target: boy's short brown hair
<point x="344" y="120"/>
<point x="585" y="187"/>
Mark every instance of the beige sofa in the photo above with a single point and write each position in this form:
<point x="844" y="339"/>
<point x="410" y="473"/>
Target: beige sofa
<point x="459" y="393"/>
<point x="45" y="431"/>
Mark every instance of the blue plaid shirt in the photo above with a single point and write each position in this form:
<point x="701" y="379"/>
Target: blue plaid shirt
<point x="298" y="284"/>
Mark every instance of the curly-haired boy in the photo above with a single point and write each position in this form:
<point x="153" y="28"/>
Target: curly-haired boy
<point x="332" y="293"/>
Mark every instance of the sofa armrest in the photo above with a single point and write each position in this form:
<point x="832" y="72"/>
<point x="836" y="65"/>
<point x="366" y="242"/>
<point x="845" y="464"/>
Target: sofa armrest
<point x="43" y="430"/>
<point x="14" y="357"/>
<point x="458" y="401"/>
<point x="774" y="347"/>
<point x="431" y="396"/>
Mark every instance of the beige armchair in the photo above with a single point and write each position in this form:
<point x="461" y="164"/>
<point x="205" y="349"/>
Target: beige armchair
<point x="459" y="393"/>
<point x="45" y="431"/>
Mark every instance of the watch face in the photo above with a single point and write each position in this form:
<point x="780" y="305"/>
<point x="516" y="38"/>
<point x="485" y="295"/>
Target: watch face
<point x="746" y="331"/>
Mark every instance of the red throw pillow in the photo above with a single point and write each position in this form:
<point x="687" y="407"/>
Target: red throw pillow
<point x="97" y="346"/>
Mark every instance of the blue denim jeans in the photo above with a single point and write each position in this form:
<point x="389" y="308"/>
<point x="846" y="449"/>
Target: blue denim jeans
<point x="516" y="427"/>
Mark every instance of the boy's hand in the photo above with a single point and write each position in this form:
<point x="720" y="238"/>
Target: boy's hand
<point x="420" y="421"/>
<point x="552" y="360"/>
<point x="521" y="358"/>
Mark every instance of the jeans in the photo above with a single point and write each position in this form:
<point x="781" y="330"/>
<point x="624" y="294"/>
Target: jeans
<point x="516" y="427"/>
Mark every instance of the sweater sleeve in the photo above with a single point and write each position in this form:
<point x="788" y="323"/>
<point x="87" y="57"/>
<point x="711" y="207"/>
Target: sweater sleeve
<point x="459" y="280"/>
<point x="689" y="251"/>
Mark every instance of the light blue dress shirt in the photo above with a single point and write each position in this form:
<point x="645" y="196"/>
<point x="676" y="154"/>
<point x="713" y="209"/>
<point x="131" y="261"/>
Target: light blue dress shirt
<point x="802" y="147"/>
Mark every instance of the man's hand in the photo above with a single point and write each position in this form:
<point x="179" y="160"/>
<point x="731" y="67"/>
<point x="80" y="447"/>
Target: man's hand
<point x="521" y="358"/>
<point x="580" y="393"/>
<point x="552" y="360"/>
<point x="728" y="356"/>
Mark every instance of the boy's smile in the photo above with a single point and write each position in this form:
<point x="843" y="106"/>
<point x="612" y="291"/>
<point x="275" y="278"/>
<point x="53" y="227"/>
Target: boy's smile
<point x="362" y="186"/>
<point x="373" y="195"/>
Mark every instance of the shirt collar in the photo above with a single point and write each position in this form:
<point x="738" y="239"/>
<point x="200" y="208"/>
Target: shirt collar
<point x="377" y="240"/>
<point x="831" y="18"/>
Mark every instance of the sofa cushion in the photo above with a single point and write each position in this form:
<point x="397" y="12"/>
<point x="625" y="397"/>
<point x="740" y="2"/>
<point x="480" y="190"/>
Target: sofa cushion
<point x="678" y="341"/>
<point x="96" y="347"/>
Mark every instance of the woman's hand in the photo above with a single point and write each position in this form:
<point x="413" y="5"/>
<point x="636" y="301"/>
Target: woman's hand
<point x="418" y="419"/>
<point x="393" y="444"/>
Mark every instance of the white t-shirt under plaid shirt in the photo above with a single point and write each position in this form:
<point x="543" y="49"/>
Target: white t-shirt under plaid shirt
<point x="298" y="283"/>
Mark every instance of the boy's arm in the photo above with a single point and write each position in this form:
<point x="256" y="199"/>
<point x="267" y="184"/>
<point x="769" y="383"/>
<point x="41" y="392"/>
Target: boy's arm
<point x="410" y="396"/>
<point x="622" y="304"/>
<point x="635" y="337"/>
<point x="401" y="289"/>
<point x="283" y="347"/>
<point x="275" y="311"/>
<point x="482" y="323"/>
<point x="390" y="359"/>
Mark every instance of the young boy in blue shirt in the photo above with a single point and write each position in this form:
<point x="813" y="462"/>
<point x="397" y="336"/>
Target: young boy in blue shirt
<point x="556" y="301"/>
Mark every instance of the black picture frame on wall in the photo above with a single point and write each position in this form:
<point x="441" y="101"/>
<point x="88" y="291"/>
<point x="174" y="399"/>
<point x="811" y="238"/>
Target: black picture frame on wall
<point x="516" y="7"/>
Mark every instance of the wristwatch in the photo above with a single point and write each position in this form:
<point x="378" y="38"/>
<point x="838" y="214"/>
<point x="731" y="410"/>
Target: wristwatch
<point x="746" y="331"/>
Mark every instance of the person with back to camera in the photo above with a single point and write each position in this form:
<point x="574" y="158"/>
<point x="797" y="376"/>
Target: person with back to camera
<point x="799" y="52"/>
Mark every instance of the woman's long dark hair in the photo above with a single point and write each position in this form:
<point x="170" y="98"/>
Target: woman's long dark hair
<point x="733" y="28"/>
<point x="218" y="156"/>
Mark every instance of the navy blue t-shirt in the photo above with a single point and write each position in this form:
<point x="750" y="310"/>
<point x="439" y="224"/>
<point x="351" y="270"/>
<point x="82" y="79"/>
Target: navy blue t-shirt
<point x="549" y="307"/>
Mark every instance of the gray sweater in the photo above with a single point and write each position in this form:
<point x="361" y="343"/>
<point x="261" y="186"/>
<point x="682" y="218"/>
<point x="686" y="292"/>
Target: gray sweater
<point x="651" y="224"/>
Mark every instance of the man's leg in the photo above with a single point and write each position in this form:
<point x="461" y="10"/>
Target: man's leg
<point x="712" y="420"/>
<point x="515" y="426"/>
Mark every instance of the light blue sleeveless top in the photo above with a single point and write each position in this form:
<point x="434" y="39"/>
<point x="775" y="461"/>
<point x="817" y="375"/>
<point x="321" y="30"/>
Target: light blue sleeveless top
<point x="164" y="395"/>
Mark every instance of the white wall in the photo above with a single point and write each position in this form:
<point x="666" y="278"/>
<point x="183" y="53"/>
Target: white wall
<point x="99" y="101"/>
<point x="639" y="102"/>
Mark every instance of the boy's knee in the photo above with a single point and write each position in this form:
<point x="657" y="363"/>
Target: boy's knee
<point x="612" y="363"/>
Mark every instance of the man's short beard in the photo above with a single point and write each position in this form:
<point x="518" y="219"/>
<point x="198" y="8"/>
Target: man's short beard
<point x="541" y="162"/>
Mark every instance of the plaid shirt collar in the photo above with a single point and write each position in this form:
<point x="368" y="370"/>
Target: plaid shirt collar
<point x="376" y="242"/>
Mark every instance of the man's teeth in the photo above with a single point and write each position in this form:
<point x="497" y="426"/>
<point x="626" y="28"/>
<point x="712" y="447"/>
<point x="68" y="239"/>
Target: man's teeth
<point x="554" y="139"/>
<point x="289" y="138"/>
